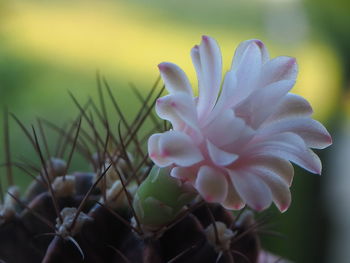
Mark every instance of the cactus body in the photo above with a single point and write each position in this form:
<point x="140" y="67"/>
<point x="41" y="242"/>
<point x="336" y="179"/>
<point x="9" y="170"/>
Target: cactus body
<point x="122" y="211"/>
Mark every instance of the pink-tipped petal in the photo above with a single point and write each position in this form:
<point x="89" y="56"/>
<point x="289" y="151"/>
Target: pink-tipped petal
<point x="211" y="184"/>
<point x="280" y="68"/>
<point x="179" y="148"/>
<point x="288" y="146"/>
<point x="247" y="70"/>
<point x="179" y="109"/>
<point x="233" y="200"/>
<point x="291" y="106"/>
<point x="241" y="49"/>
<point x="211" y="68"/>
<point x="185" y="174"/>
<point x="196" y="60"/>
<point x="251" y="189"/>
<point x="174" y="78"/>
<point x="154" y="151"/>
<point x="262" y="103"/>
<point x="220" y="157"/>
<point x="228" y="96"/>
<point x="313" y="132"/>
<point x="217" y="130"/>
<point x="279" y="188"/>
<point x="276" y="165"/>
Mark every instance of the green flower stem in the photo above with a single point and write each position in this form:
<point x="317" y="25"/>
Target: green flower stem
<point x="160" y="198"/>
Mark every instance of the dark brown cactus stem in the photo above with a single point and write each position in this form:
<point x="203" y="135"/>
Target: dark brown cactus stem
<point x="42" y="205"/>
<point x="38" y="217"/>
<point x="245" y="244"/>
<point x="17" y="243"/>
<point x="186" y="242"/>
<point x="55" y="167"/>
<point x="96" y="239"/>
<point x="246" y="241"/>
<point x="173" y="243"/>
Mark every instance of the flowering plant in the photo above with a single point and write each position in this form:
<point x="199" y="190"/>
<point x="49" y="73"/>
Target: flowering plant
<point x="234" y="145"/>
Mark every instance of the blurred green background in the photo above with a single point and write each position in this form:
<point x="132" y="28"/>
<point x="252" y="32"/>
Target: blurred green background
<point x="50" y="47"/>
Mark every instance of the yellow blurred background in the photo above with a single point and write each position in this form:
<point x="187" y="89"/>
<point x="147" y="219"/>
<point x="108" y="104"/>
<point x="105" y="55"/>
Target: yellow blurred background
<point x="127" y="41"/>
<point x="50" y="47"/>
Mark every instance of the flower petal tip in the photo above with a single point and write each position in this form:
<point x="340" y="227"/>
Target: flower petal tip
<point x="258" y="208"/>
<point x="238" y="206"/>
<point x="162" y="66"/>
<point x="329" y="140"/>
<point x="205" y="38"/>
<point x="259" y="43"/>
<point x="165" y="153"/>
<point x="291" y="62"/>
<point x="283" y="208"/>
<point x="209" y="198"/>
<point x="318" y="171"/>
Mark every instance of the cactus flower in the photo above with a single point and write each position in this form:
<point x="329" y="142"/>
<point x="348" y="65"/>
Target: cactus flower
<point x="235" y="144"/>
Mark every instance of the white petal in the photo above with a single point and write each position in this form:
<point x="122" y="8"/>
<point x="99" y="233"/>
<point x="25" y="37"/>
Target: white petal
<point x="197" y="63"/>
<point x="227" y="97"/>
<point x="313" y="133"/>
<point x="226" y="129"/>
<point x="279" y="68"/>
<point x="210" y="76"/>
<point x="276" y="165"/>
<point x="229" y="88"/>
<point x="279" y="189"/>
<point x="154" y="151"/>
<point x="247" y="71"/>
<point x="185" y="174"/>
<point x="233" y="200"/>
<point x="220" y="157"/>
<point x="263" y="102"/>
<point x="288" y="146"/>
<point x="292" y="105"/>
<point x="179" y="109"/>
<point x="179" y="148"/>
<point x="211" y="184"/>
<point x="251" y="189"/>
<point x="174" y="78"/>
<point x="239" y="53"/>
